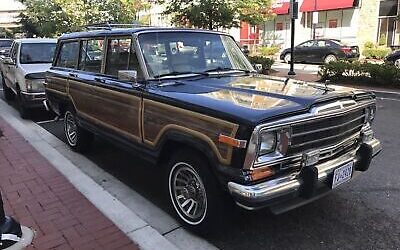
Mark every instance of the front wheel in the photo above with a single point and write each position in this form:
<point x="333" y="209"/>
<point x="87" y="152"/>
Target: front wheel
<point x="23" y="110"/>
<point x="77" y="137"/>
<point x="193" y="191"/>
<point x="8" y="93"/>
<point x="287" y="58"/>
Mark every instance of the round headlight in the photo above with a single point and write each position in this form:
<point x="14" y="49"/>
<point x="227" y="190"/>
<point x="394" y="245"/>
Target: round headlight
<point x="267" y="142"/>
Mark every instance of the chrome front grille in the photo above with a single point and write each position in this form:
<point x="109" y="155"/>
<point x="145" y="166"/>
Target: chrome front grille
<point x="324" y="132"/>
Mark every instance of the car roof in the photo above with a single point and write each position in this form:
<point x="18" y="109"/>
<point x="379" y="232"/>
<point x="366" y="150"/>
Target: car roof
<point x="36" y="40"/>
<point x="6" y="39"/>
<point x="129" y="31"/>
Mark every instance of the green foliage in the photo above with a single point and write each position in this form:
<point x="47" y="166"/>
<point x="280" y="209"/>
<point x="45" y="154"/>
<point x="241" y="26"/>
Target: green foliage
<point x="381" y="74"/>
<point x="382" y="40"/>
<point x="376" y="53"/>
<point x="47" y="18"/>
<point x="268" y="51"/>
<point x="212" y="14"/>
<point x="264" y="61"/>
<point x="369" y="45"/>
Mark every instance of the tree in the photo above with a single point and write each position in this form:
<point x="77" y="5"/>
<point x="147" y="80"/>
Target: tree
<point x="54" y="17"/>
<point x="210" y="14"/>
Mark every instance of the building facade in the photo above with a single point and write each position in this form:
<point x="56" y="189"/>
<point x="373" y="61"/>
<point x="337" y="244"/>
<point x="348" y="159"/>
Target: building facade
<point x="352" y="21"/>
<point x="9" y="12"/>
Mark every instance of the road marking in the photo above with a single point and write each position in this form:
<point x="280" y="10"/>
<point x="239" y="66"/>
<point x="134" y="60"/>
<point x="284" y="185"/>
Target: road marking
<point x="388" y="99"/>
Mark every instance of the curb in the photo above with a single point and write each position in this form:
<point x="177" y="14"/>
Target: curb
<point x="125" y="219"/>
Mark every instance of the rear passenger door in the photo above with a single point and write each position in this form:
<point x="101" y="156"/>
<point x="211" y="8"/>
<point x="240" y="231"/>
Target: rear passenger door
<point x="118" y="101"/>
<point x="82" y="82"/>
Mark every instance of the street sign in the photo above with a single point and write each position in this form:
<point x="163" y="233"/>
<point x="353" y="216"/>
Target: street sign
<point x="315" y="17"/>
<point x="294" y="9"/>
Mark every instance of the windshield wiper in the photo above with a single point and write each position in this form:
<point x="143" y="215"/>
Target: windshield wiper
<point x="177" y="73"/>
<point x="228" y="69"/>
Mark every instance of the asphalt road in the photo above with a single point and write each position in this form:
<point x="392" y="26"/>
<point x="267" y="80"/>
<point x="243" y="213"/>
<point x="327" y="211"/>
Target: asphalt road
<point x="361" y="214"/>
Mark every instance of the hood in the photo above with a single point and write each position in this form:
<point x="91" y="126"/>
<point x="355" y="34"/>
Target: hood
<point x="35" y="68"/>
<point x="251" y="99"/>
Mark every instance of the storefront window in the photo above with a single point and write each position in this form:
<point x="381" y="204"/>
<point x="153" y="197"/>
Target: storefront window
<point x="388" y="8"/>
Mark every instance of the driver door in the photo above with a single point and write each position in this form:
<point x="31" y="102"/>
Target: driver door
<point x="302" y="51"/>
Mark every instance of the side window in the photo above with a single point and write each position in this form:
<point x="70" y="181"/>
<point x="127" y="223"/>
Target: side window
<point x="14" y="52"/>
<point x="121" y="56"/>
<point x="68" y="55"/>
<point x="307" y="44"/>
<point x="321" y="44"/>
<point x="91" y="55"/>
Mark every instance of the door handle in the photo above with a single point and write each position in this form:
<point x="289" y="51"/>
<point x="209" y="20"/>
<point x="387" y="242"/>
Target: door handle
<point x="100" y="80"/>
<point x="73" y="75"/>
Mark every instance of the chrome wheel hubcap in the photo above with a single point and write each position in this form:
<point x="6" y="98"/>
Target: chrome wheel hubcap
<point x="188" y="192"/>
<point x="71" y="130"/>
<point x="397" y="63"/>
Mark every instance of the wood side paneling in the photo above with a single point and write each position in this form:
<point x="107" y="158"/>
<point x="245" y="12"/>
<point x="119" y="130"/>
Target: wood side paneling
<point x="158" y="118"/>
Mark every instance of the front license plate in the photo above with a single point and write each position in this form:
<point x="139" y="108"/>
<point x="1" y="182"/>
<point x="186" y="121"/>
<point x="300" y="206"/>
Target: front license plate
<point x="342" y="174"/>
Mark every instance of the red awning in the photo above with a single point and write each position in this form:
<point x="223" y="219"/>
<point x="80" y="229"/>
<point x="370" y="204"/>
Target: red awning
<point x="318" y="5"/>
<point x="281" y="8"/>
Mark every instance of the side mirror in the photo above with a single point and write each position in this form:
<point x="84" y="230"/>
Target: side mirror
<point x="127" y="75"/>
<point x="8" y="61"/>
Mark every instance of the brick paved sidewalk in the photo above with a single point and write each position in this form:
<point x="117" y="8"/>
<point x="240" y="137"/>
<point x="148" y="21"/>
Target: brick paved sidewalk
<point x="39" y="197"/>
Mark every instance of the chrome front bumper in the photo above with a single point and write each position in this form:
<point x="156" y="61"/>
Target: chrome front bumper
<point x="289" y="185"/>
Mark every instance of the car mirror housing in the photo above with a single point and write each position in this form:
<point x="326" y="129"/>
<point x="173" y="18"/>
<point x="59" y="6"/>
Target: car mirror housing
<point x="127" y="75"/>
<point x="8" y="61"/>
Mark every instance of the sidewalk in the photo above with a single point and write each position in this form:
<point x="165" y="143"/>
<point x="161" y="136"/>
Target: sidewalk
<point x="39" y="197"/>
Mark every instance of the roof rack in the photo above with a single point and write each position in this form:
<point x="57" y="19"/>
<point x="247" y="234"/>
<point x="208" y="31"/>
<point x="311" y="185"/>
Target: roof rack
<point x="110" y="26"/>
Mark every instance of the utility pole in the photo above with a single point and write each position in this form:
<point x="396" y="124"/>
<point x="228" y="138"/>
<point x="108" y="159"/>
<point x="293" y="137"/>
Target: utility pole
<point x="294" y="9"/>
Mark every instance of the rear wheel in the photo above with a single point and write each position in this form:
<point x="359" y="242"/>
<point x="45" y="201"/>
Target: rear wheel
<point x="77" y="137"/>
<point x="193" y="191"/>
<point x="330" y="58"/>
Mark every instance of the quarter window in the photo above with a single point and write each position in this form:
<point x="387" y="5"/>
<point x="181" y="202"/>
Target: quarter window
<point x="121" y="56"/>
<point x="68" y="55"/>
<point x="91" y="55"/>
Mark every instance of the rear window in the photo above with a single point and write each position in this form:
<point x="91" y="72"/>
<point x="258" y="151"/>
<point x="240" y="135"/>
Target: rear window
<point x="37" y="53"/>
<point x="68" y="55"/>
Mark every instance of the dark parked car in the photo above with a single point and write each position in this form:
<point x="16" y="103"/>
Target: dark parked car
<point x="190" y="102"/>
<point x="5" y="46"/>
<point x="321" y="51"/>
<point x="394" y="58"/>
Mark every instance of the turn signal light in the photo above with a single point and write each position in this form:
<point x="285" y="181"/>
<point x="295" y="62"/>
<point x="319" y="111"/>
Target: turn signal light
<point x="261" y="173"/>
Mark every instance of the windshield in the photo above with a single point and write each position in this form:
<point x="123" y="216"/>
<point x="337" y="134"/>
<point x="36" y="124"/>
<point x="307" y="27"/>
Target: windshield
<point x="37" y="53"/>
<point x="5" y="43"/>
<point x="172" y="53"/>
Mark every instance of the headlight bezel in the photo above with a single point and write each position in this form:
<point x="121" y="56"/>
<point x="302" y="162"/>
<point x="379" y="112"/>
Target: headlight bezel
<point x="272" y="144"/>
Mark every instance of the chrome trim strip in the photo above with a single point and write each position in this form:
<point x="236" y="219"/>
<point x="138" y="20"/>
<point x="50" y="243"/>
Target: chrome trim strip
<point x="33" y="93"/>
<point x="265" y="191"/>
<point x="328" y="128"/>
<point x="326" y="138"/>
